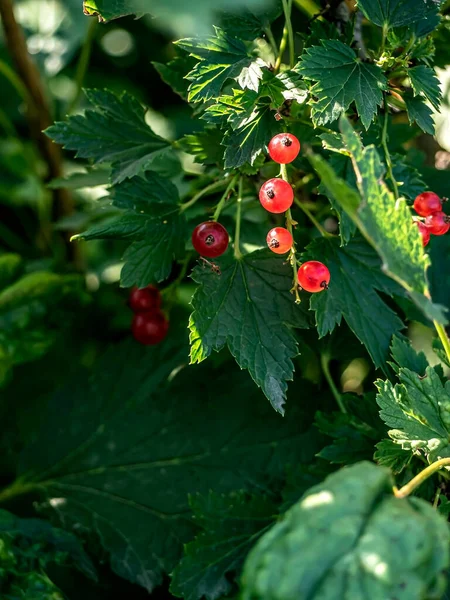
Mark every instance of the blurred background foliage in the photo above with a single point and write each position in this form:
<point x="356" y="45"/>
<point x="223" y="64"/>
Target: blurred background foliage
<point x="73" y="51"/>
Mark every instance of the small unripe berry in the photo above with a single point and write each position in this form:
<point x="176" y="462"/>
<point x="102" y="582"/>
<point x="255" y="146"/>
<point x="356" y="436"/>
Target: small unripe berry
<point x="284" y="148"/>
<point x="276" y="195"/>
<point x="145" y="299"/>
<point x="424" y="233"/>
<point x="313" y="276"/>
<point x="427" y="203"/>
<point x="438" y="223"/>
<point x="210" y="239"/>
<point x="149" y="328"/>
<point x="279" y="240"/>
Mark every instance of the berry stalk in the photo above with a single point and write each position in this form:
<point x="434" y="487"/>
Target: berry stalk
<point x="224" y="198"/>
<point x="292" y="253"/>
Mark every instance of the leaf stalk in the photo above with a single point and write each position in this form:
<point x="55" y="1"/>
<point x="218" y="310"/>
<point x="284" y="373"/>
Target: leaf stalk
<point x="237" y="233"/>
<point x="416" y="481"/>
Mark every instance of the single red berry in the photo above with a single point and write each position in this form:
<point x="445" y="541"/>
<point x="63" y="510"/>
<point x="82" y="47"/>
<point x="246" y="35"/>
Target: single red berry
<point x="279" y="240"/>
<point x="276" y="195"/>
<point x="284" y="148"/>
<point x="145" y="300"/>
<point x="427" y="203"/>
<point x="313" y="276"/>
<point x="424" y="233"/>
<point x="149" y="328"/>
<point x="210" y="239"/>
<point x="438" y="223"/>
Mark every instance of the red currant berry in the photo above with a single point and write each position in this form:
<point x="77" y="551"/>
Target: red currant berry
<point x="313" y="276"/>
<point x="276" y="195"/>
<point x="149" y="328"/>
<point x="438" y="223"/>
<point x="279" y="240"/>
<point x="210" y="239"/>
<point x="424" y="233"/>
<point x="427" y="203"/>
<point x="284" y="148"/>
<point x="145" y="300"/>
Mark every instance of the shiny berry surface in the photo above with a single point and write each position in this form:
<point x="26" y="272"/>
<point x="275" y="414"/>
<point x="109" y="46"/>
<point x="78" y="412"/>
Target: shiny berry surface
<point x="438" y="223"/>
<point x="145" y="300"/>
<point x="424" y="233"/>
<point x="210" y="239"/>
<point x="313" y="276"/>
<point x="276" y="195"/>
<point x="149" y="328"/>
<point x="284" y="148"/>
<point x="279" y="240"/>
<point x="427" y="203"/>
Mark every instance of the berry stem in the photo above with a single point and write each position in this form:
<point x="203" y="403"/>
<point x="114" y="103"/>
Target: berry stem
<point x="325" y="363"/>
<point x="287" y="8"/>
<point x="237" y="232"/>
<point x="212" y="187"/>
<point x="283" y="45"/>
<point x="443" y="337"/>
<point x="292" y="253"/>
<point x="224" y="198"/>
<point x="416" y="481"/>
<point x="387" y="155"/>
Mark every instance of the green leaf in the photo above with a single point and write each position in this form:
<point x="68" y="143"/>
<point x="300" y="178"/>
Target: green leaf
<point x="347" y="532"/>
<point x="397" y="13"/>
<point x="221" y="58"/>
<point x="248" y="307"/>
<point x="355" y="277"/>
<point x="246" y="143"/>
<point x="123" y="466"/>
<point x="391" y="455"/>
<point x="152" y="221"/>
<point x="175" y="15"/>
<point x="405" y="356"/>
<point x="418" y="411"/>
<point x="174" y="73"/>
<point x="37" y="543"/>
<point x="115" y="132"/>
<point x="385" y="222"/>
<point x="230" y="524"/>
<point x="419" y="112"/>
<point x="248" y="23"/>
<point x="34" y="310"/>
<point x="424" y="82"/>
<point x="410" y="183"/>
<point x="205" y="146"/>
<point x="341" y="79"/>
<point x="440" y="351"/>
<point x="353" y="435"/>
<point x="287" y="85"/>
<point x="77" y="181"/>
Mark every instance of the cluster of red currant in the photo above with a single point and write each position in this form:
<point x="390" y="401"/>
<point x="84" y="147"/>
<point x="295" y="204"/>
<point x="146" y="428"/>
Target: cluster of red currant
<point x="276" y="196"/>
<point x="149" y="325"/>
<point x="429" y="205"/>
<point x="210" y="239"/>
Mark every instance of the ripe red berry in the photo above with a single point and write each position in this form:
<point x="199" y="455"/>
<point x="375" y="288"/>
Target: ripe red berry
<point x="427" y="203"/>
<point x="210" y="239"/>
<point x="284" y="148"/>
<point x="149" y="328"/>
<point x="279" y="240"/>
<point x="438" y="223"/>
<point x="145" y="300"/>
<point x="276" y="195"/>
<point x="424" y="232"/>
<point x="313" y="276"/>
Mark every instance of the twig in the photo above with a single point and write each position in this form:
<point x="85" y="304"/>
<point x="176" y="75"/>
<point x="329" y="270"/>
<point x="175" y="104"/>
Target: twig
<point x="38" y="111"/>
